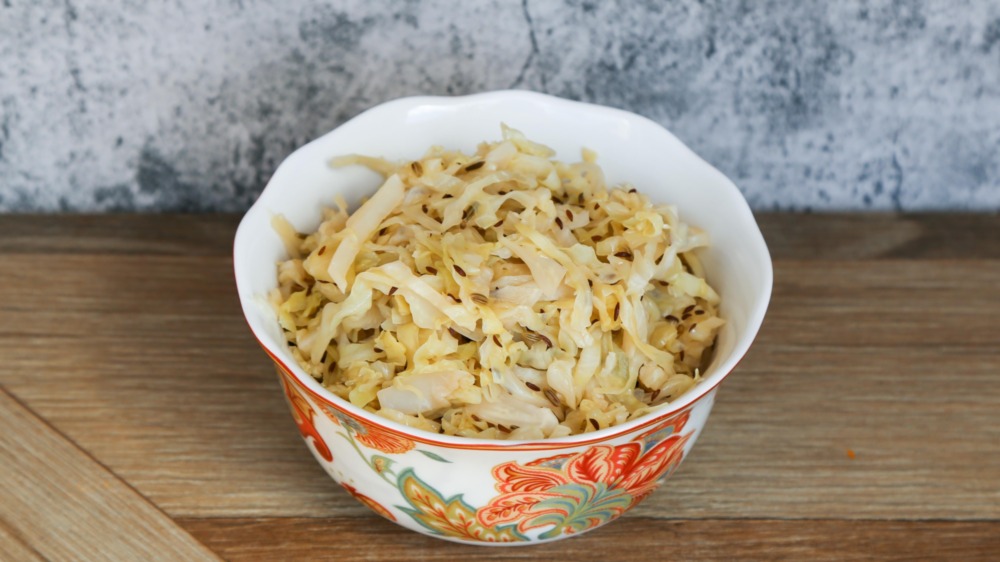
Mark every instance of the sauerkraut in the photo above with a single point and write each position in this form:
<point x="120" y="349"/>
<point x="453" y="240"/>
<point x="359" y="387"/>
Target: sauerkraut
<point x="499" y="295"/>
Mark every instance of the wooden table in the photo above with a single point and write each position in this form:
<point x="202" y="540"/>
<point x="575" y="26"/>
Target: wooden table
<point x="139" y="420"/>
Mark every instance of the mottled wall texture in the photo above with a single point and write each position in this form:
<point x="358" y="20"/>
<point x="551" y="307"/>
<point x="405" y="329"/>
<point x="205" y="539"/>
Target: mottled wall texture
<point x="188" y="105"/>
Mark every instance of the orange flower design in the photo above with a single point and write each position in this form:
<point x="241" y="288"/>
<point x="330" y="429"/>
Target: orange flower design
<point x="580" y="491"/>
<point x="304" y="414"/>
<point x="370" y="435"/>
<point x="370" y="503"/>
<point x="384" y="441"/>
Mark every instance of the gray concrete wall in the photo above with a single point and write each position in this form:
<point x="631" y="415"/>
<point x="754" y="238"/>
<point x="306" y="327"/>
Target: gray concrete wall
<point x="190" y="104"/>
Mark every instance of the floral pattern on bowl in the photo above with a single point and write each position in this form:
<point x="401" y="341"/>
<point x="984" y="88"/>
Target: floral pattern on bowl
<point x="549" y="497"/>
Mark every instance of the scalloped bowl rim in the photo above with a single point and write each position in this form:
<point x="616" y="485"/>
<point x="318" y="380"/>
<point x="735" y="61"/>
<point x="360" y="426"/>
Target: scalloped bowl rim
<point x="420" y="109"/>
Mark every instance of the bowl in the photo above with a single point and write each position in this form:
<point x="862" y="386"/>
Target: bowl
<point x="490" y="491"/>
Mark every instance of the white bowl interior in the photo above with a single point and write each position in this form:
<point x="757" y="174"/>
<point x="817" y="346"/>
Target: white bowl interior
<point x="630" y="149"/>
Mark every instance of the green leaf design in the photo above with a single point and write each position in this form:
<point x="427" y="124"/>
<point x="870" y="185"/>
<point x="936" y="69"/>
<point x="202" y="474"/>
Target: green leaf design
<point x="579" y="507"/>
<point x="433" y="456"/>
<point x="382" y="464"/>
<point x="450" y="517"/>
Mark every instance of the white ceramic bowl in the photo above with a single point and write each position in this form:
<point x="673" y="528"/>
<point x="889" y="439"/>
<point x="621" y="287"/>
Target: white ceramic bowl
<point x="485" y="491"/>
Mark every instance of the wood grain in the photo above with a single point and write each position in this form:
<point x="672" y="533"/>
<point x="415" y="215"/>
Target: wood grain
<point x="842" y="236"/>
<point x="846" y="359"/>
<point x="125" y="335"/>
<point x="836" y="236"/>
<point x="631" y="538"/>
<point x="14" y="546"/>
<point x="164" y="234"/>
<point x="59" y="504"/>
